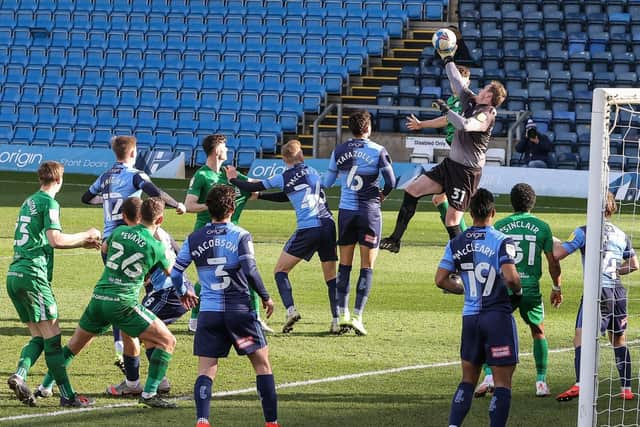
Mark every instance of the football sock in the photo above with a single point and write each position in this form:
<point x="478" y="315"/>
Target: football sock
<point x="453" y="231"/>
<point x="576" y="363"/>
<point x="540" y="355"/>
<point x="202" y="396"/>
<point x="48" y="380"/>
<point x="284" y="288"/>
<point x="29" y="355"/>
<point x="158" y="365"/>
<point x="117" y="342"/>
<point x="195" y="310"/>
<point x="487" y="370"/>
<point x="54" y="356"/>
<point x="255" y="302"/>
<point x="364" y="287"/>
<point x="442" y="210"/>
<point x="461" y="403"/>
<point x="499" y="407"/>
<point x="406" y="212"/>
<point x="623" y="363"/>
<point x="266" y="386"/>
<point x="342" y="284"/>
<point x="332" y="290"/>
<point x="131" y="367"/>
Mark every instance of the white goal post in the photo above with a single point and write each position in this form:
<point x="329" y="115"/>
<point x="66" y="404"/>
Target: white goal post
<point x="603" y="120"/>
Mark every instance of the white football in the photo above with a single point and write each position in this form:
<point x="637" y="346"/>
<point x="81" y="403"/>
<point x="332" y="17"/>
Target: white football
<point x="444" y="40"/>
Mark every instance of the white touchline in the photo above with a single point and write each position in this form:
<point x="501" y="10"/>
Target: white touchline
<point x="253" y="389"/>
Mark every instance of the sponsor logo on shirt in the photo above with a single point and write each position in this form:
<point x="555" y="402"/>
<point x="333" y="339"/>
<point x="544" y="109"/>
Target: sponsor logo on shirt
<point x="501" y="352"/>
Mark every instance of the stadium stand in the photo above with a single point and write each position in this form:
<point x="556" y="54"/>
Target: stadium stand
<point x="169" y="71"/>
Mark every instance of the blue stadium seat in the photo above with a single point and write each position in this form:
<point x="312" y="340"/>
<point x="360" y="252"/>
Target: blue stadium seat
<point x="555" y="42"/>
<point x="626" y="79"/>
<point x="559" y="81"/>
<point x="600" y="62"/>
<point x="578" y="61"/>
<point x="623" y="62"/>
<point x="23" y="134"/>
<point x="553" y="21"/>
<point x="574" y="22"/>
<point x="62" y="136"/>
<point x="603" y="79"/>
<point x="517" y="99"/>
<point x="598" y="42"/>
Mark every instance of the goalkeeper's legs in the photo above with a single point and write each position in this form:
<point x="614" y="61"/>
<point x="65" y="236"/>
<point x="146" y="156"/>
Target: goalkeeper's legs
<point x="441" y="203"/>
<point x="452" y="222"/>
<point x="420" y="187"/>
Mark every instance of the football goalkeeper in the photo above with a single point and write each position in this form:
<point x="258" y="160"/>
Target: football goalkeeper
<point x="458" y="175"/>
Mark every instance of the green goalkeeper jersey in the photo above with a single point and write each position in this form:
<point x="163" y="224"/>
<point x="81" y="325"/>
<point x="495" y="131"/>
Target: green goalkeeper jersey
<point x="132" y="253"/>
<point x="453" y="102"/>
<point x="32" y="254"/>
<point x="532" y="237"/>
<point x="203" y="181"/>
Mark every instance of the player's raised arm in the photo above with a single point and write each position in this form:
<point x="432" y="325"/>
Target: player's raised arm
<point x="142" y="181"/>
<point x="250" y="269"/>
<point x="329" y="178"/>
<point x="387" y="173"/>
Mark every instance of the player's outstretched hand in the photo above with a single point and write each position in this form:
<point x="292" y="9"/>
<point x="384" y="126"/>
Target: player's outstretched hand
<point x="440" y="105"/>
<point x="447" y="55"/>
<point x="181" y="209"/>
<point x="413" y="123"/>
<point x="232" y="172"/>
<point x="556" y="298"/>
<point x="94" y="233"/>
<point x="268" y="306"/>
<point x="189" y="299"/>
<point x="91" y="243"/>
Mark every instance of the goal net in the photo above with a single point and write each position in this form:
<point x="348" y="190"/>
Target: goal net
<point x="614" y="165"/>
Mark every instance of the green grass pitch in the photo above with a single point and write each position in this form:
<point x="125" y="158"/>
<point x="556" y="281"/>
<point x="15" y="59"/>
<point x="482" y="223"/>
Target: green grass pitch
<point x="412" y="325"/>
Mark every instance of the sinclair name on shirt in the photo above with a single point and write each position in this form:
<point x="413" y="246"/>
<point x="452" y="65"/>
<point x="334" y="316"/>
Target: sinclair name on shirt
<point x="520" y="224"/>
<point x="473" y="247"/>
<point x="214" y="243"/>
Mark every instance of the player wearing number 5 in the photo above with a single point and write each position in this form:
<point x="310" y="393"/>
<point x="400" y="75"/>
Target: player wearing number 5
<point x="358" y="162"/>
<point x="315" y="231"/>
<point x="618" y="258"/>
<point x="458" y="175"/>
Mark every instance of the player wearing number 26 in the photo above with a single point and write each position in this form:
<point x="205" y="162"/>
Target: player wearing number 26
<point x="358" y="162"/>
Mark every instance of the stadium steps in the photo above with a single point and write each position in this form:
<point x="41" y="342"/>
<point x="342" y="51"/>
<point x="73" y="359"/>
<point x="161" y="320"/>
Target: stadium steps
<point x="365" y="90"/>
<point x="385" y="71"/>
<point x="398" y="62"/>
<point x="376" y="80"/>
<point x="406" y="53"/>
<point x="358" y="99"/>
<point x="333" y="119"/>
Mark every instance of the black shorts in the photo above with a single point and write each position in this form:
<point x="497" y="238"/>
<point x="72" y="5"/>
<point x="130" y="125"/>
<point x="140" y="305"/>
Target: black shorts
<point x="459" y="182"/>
<point x="219" y="330"/>
<point x="490" y="337"/>
<point x="166" y="303"/>
<point x="307" y="241"/>
<point x="363" y="227"/>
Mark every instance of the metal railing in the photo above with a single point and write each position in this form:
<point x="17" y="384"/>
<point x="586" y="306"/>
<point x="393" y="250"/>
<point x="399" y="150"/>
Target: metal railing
<point x="520" y="117"/>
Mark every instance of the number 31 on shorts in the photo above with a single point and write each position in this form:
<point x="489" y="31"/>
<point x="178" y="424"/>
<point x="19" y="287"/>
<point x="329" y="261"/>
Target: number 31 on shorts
<point x="458" y="194"/>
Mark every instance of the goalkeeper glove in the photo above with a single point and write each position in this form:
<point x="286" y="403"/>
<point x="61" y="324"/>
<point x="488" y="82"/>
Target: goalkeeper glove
<point x="440" y="105"/>
<point x="447" y="55"/>
<point x="515" y="298"/>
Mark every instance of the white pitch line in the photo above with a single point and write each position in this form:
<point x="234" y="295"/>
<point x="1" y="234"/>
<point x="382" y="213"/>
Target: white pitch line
<point x="253" y="389"/>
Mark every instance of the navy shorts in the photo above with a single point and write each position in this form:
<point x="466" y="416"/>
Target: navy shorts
<point x="363" y="227"/>
<point x="307" y="241"/>
<point x="490" y="337"/>
<point x="219" y="330"/>
<point x="166" y="304"/>
<point x="613" y="311"/>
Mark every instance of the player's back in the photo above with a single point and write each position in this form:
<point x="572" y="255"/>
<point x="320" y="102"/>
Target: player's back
<point x="132" y="253"/>
<point x="115" y="186"/>
<point x="217" y="250"/>
<point x="477" y="254"/>
<point x="617" y="248"/>
<point x="532" y="237"/>
<point x="32" y="253"/>
<point x="159" y="280"/>
<point x="358" y="162"/>
<point x="302" y="185"/>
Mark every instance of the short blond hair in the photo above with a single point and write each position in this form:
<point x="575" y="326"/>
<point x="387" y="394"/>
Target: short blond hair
<point x="122" y="145"/>
<point x="292" y="151"/>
